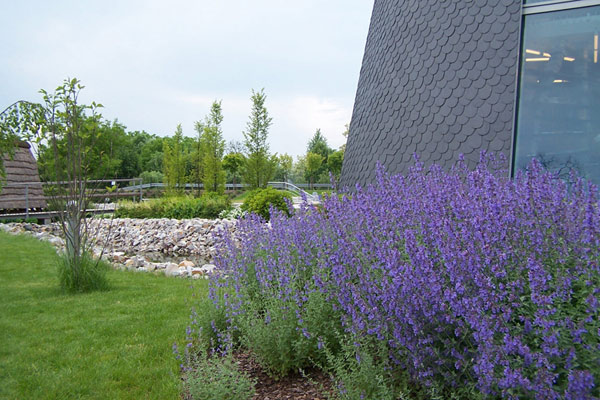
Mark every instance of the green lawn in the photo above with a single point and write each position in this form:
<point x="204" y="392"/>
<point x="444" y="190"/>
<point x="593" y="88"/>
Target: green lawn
<point x="105" y="345"/>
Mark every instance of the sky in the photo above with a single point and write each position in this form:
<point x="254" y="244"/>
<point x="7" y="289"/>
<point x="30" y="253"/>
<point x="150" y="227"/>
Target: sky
<point x="155" y="64"/>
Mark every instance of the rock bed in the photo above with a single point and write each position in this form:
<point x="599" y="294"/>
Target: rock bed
<point x="130" y="240"/>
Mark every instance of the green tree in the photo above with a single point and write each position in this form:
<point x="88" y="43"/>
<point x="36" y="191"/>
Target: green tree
<point x="197" y="157"/>
<point x="314" y="162"/>
<point x="318" y="145"/>
<point x="174" y="163"/>
<point x="151" y="154"/>
<point x="285" y="163"/>
<point x="335" y="159"/>
<point x="233" y="163"/>
<point x="71" y="130"/>
<point x="109" y="154"/>
<point x="260" y="166"/>
<point x="212" y="146"/>
<point x="130" y="154"/>
<point x="334" y="162"/>
<point x="298" y="170"/>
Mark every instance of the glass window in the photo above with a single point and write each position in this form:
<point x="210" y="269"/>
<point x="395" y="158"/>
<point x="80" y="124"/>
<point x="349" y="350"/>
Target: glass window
<point x="558" y="120"/>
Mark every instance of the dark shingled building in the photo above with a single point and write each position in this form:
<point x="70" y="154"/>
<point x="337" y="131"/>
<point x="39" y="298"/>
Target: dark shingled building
<point x="444" y="78"/>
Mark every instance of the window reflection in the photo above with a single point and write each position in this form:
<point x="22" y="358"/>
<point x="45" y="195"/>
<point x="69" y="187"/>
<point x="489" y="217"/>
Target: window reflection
<point x="559" y="99"/>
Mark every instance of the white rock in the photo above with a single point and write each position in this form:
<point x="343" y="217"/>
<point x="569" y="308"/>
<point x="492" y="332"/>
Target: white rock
<point x="56" y="241"/>
<point x="208" y="268"/>
<point x="150" y="266"/>
<point x="187" y="263"/>
<point x="172" y="269"/>
<point x="169" y="236"/>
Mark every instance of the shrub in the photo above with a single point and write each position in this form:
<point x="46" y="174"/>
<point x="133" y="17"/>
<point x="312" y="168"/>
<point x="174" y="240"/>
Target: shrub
<point x="362" y="372"/>
<point x="207" y="206"/>
<point x="213" y="204"/>
<point x="233" y="213"/>
<point x="213" y="376"/>
<point x="19" y="221"/>
<point x="218" y="378"/>
<point x="260" y="201"/>
<point x="209" y="369"/>
<point x="88" y="275"/>
<point x="478" y="285"/>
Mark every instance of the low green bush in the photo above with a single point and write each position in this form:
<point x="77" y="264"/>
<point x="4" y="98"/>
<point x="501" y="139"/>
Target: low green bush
<point x="210" y="371"/>
<point x="362" y="370"/>
<point x="259" y="201"/>
<point x="19" y="221"/>
<point x="217" y="377"/>
<point x="207" y="206"/>
<point x="286" y="338"/>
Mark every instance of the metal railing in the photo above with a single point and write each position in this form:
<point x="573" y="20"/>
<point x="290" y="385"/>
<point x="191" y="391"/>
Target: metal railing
<point x="102" y="189"/>
<point x="294" y="189"/>
<point x="95" y="191"/>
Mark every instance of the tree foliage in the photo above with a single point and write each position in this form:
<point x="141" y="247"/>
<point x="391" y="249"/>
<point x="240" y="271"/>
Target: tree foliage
<point x="212" y="146"/>
<point x="285" y="163"/>
<point x="334" y="162"/>
<point x="260" y="166"/>
<point x="174" y="163"/>
<point x="314" y="163"/>
<point x="70" y="131"/>
<point x="318" y="145"/>
<point x="234" y="163"/>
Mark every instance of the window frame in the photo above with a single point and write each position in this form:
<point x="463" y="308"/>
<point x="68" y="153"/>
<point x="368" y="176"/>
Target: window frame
<point x="531" y="9"/>
<point x="556" y="5"/>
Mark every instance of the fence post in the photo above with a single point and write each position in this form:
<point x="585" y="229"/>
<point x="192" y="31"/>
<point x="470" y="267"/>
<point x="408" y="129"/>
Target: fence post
<point x="141" y="189"/>
<point x="26" y="201"/>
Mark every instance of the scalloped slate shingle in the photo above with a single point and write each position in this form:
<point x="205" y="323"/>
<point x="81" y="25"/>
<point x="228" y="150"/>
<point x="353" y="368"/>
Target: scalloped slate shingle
<point x="438" y="79"/>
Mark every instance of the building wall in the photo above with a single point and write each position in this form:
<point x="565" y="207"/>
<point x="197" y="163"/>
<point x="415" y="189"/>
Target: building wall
<point x="438" y="80"/>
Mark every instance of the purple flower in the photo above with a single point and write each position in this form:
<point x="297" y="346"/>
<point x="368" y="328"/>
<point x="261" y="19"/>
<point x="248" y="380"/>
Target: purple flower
<point x="469" y="277"/>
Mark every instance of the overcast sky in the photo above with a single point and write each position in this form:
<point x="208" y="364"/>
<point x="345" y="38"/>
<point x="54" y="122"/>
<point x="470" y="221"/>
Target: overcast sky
<point x="154" y="64"/>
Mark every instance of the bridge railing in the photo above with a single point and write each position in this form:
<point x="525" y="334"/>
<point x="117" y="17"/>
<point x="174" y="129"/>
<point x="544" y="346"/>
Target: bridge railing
<point x="30" y="194"/>
<point x="102" y="189"/>
<point x="294" y="189"/>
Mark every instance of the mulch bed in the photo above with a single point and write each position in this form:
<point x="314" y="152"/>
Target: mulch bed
<point x="313" y="385"/>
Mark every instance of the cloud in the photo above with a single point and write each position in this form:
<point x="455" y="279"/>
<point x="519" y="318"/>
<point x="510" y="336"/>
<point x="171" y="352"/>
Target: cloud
<point x="295" y="118"/>
<point x="301" y="116"/>
<point x="155" y="64"/>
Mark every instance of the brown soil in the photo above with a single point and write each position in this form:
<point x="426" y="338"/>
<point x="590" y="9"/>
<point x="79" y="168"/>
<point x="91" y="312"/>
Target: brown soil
<point x="313" y="385"/>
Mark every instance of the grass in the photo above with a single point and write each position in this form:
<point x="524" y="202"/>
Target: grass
<point x="240" y="197"/>
<point x="113" y="344"/>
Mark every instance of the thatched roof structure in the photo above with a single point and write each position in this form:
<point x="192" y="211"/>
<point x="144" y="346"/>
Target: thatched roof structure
<point x="21" y="178"/>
